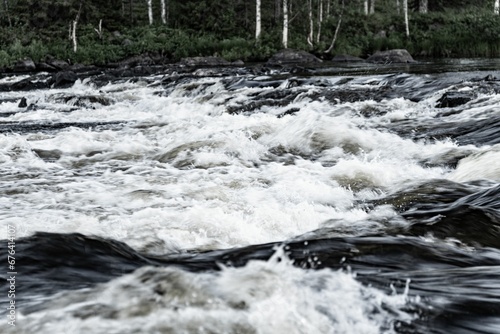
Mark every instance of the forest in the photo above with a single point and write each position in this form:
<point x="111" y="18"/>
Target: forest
<point x="105" y="31"/>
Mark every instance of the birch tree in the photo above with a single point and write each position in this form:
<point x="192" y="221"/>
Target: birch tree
<point x="257" y="20"/>
<point x="72" y="29"/>
<point x="320" y="20"/>
<point x="423" y="6"/>
<point x="150" y="11"/>
<point x="398" y="6"/>
<point x="405" y="11"/>
<point x="310" y="36"/>
<point x="285" y="24"/>
<point x="496" y="7"/>
<point x="163" y="12"/>
<point x="336" y="29"/>
<point x="365" y="7"/>
<point x="372" y="6"/>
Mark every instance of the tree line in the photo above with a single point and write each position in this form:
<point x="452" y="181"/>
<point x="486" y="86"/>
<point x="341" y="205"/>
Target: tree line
<point x="249" y="29"/>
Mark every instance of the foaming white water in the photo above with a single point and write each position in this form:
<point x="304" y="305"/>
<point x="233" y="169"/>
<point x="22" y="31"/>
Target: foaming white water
<point x="180" y="172"/>
<point x="262" y="297"/>
<point x="479" y="166"/>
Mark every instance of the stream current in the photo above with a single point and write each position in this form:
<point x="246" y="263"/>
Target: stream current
<point x="337" y="199"/>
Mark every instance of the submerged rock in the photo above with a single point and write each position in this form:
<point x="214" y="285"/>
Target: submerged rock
<point x="81" y="100"/>
<point x="391" y="56"/>
<point x="64" y="79"/>
<point x="289" y="56"/>
<point x="454" y="99"/>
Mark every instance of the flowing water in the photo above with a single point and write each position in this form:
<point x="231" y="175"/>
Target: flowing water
<point x="339" y="199"/>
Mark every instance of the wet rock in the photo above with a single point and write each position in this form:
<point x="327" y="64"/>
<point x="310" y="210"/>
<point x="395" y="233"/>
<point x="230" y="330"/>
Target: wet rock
<point x="64" y="79"/>
<point x="291" y="111"/>
<point x="391" y="56"/>
<point x="23" y="103"/>
<point x="27" y="84"/>
<point x="25" y="65"/>
<point x="490" y="77"/>
<point x="289" y="56"/>
<point x="80" y="68"/>
<point x="204" y="61"/>
<point x="45" y="67"/>
<point x="238" y="63"/>
<point x="81" y="100"/>
<point x="32" y="107"/>
<point x="346" y="59"/>
<point x="454" y="99"/>
<point x="58" y="64"/>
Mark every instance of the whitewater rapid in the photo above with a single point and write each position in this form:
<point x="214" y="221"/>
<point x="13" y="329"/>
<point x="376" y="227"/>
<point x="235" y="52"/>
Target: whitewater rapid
<point x="165" y="168"/>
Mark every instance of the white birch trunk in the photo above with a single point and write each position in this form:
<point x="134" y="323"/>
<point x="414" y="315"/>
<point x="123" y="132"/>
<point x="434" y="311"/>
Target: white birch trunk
<point x="72" y="29"/>
<point x="73" y="36"/>
<point x="423" y="6"/>
<point x="99" y="31"/>
<point x="328" y="8"/>
<point x="405" y="11"/>
<point x="366" y="7"/>
<point x="150" y="11"/>
<point x="163" y="12"/>
<point x="310" y="36"/>
<point x="372" y="6"/>
<point x="336" y="29"/>
<point x="320" y="21"/>
<point x="496" y="7"/>
<point x="285" y="24"/>
<point x="257" y="20"/>
<point x="398" y="7"/>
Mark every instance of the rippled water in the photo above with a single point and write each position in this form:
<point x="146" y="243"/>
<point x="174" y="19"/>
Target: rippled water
<point x="327" y="200"/>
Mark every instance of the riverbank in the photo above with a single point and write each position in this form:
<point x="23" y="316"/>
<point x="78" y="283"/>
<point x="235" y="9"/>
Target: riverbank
<point x="432" y="35"/>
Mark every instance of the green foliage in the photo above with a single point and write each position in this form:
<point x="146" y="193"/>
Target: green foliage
<point x="462" y="28"/>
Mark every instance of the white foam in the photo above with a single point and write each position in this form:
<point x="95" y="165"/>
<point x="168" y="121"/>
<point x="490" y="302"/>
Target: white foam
<point x="183" y="173"/>
<point x="262" y="297"/>
<point x="483" y="165"/>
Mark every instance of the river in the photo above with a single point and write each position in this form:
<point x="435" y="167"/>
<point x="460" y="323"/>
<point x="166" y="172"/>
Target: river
<point x="336" y="199"/>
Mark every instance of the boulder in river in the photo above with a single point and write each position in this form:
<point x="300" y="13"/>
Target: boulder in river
<point x="64" y="79"/>
<point x="58" y="64"/>
<point x="204" y="61"/>
<point x="391" y="56"/>
<point x="289" y="56"/>
<point x="23" y="103"/>
<point x="454" y="99"/>
<point x="84" y="101"/>
<point x="25" y="65"/>
<point x="31" y="83"/>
